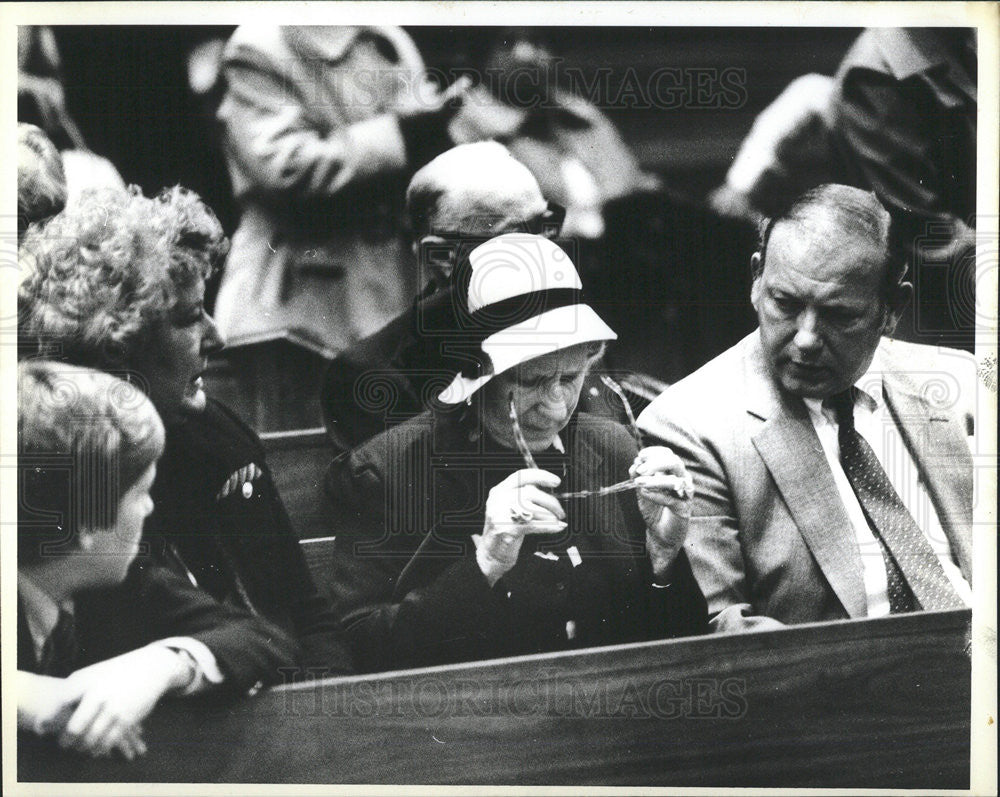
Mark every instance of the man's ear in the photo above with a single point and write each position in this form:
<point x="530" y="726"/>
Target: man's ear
<point x="902" y="294"/>
<point x="755" y="287"/>
<point x="437" y="258"/>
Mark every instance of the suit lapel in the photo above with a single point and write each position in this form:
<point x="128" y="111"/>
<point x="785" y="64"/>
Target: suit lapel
<point x="940" y="452"/>
<point x="793" y="454"/>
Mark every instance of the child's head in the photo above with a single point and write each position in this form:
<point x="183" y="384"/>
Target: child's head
<point x="87" y="447"/>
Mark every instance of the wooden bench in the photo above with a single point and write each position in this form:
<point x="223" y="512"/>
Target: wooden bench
<point x="298" y="461"/>
<point x="881" y="703"/>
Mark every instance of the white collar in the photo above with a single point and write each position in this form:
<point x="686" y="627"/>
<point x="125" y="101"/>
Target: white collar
<point x="41" y="612"/>
<point x="870" y="392"/>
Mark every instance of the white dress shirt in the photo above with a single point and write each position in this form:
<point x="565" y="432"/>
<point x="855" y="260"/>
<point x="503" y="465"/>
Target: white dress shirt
<point x="874" y="422"/>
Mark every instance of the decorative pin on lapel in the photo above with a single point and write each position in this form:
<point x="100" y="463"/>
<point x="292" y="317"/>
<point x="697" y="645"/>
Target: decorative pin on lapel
<point x="242" y="478"/>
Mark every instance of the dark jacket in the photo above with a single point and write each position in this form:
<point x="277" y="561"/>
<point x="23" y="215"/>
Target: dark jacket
<point x="155" y="603"/>
<point x="242" y="550"/>
<point x="407" y="587"/>
<point x="391" y="375"/>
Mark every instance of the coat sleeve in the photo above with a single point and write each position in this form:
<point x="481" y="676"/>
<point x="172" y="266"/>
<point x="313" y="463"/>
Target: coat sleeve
<point x="672" y="609"/>
<point x="454" y="616"/>
<point x="713" y="546"/>
<point x="281" y="148"/>
<point x="155" y="603"/>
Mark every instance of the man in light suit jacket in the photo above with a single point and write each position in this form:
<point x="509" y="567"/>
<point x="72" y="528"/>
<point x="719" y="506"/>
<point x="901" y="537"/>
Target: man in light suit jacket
<point x="778" y="534"/>
<point x="323" y="125"/>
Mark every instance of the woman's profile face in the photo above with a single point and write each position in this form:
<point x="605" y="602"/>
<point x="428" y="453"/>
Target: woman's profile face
<point x="177" y="356"/>
<point x="546" y="391"/>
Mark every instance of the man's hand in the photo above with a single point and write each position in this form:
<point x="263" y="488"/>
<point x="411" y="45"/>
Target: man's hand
<point x="515" y="507"/>
<point x="426" y="100"/>
<point x="44" y="704"/>
<point x="116" y="695"/>
<point x="664" y="496"/>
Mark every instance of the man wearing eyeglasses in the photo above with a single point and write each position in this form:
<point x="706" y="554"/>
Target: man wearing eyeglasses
<point x="832" y="468"/>
<point x="464" y="196"/>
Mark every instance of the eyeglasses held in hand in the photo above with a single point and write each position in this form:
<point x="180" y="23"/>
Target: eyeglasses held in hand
<point x="529" y="460"/>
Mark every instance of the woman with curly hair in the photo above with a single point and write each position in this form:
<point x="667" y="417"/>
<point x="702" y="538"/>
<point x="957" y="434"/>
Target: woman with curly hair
<point x="118" y="283"/>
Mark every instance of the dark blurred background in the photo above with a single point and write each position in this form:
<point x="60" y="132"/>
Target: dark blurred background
<point x="127" y="88"/>
<point x="670" y="277"/>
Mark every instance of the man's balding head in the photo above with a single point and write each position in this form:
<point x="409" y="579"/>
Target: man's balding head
<point x="478" y="190"/>
<point x="827" y="286"/>
<point x="840" y="212"/>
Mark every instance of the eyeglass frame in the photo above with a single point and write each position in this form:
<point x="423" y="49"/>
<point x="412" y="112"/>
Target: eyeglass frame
<point x="529" y="459"/>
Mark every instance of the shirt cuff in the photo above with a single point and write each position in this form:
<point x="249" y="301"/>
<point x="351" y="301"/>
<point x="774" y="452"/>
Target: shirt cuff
<point x="207" y="672"/>
<point x="661" y="559"/>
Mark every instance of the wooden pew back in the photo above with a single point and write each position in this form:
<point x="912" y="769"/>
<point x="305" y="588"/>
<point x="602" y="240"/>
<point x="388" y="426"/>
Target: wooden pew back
<point x="880" y="703"/>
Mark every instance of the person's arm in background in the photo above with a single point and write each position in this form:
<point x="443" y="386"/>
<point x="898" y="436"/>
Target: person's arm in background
<point x="283" y="149"/>
<point x="786" y="151"/>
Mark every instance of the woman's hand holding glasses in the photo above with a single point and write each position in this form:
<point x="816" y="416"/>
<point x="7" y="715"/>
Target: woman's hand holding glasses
<point x="665" y="491"/>
<point x="517" y="506"/>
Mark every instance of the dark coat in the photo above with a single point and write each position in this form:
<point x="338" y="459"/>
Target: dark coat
<point x="905" y="121"/>
<point x="390" y="376"/>
<point x="241" y="550"/>
<point x="407" y="587"/>
<point x="154" y="603"/>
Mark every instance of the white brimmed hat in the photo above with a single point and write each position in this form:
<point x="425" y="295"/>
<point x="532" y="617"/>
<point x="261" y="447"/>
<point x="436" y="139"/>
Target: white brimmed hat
<point x="523" y="295"/>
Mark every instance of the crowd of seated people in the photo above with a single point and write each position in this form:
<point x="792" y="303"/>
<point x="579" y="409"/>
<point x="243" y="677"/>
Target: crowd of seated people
<point x="805" y="474"/>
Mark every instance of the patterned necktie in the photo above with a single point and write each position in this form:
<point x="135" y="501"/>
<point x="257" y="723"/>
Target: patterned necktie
<point x="915" y="577"/>
<point x="59" y="653"/>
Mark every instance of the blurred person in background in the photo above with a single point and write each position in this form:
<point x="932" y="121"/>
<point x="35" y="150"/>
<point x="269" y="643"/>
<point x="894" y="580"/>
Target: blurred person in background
<point x="899" y="118"/>
<point x="322" y="127"/>
<point x="41" y="101"/>
<point x="576" y="154"/>
<point x="117" y="283"/>
<point x="463" y="196"/>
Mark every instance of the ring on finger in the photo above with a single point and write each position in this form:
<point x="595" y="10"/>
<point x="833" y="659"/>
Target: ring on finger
<point x="519" y="515"/>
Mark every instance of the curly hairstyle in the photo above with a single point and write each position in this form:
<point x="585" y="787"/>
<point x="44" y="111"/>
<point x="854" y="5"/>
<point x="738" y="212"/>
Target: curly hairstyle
<point x="84" y="439"/>
<point x="104" y="271"/>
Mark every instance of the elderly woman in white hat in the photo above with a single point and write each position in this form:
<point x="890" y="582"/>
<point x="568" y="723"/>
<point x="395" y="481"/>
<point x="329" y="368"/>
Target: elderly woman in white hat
<point x="503" y="522"/>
